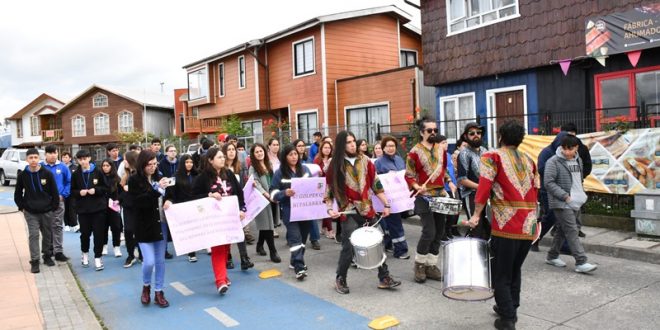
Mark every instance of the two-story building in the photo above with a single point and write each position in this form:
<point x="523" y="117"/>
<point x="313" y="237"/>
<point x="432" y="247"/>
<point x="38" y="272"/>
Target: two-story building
<point x="93" y="118"/>
<point x="36" y="124"/>
<point x="498" y="60"/>
<point x="354" y="70"/>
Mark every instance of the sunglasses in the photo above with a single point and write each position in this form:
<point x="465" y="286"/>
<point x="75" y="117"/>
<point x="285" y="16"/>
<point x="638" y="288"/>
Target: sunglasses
<point x="431" y="130"/>
<point x="473" y="133"/>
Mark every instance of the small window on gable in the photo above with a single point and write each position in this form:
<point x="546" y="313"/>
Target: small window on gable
<point x="100" y="101"/>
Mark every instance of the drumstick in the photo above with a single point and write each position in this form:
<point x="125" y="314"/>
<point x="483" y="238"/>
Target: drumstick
<point x="427" y="180"/>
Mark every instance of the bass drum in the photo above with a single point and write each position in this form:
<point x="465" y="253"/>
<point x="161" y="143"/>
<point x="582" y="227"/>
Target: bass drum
<point x="367" y="247"/>
<point x="466" y="270"/>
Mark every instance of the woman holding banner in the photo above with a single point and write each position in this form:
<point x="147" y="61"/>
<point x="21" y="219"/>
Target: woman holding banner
<point x="394" y="234"/>
<point x="215" y="181"/>
<point x="262" y="172"/>
<point x="182" y="190"/>
<point x="145" y="187"/>
<point x="297" y="231"/>
<point x="314" y="234"/>
<point x="322" y="159"/>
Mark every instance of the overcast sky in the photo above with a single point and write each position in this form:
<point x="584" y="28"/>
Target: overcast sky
<point x="63" y="47"/>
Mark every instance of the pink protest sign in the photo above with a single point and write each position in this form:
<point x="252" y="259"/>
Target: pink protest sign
<point x="396" y="190"/>
<point x="307" y="203"/>
<point x="255" y="202"/>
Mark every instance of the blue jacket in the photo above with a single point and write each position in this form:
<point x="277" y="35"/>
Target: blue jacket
<point x="387" y="163"/>
<point x="62" y="177"/>
<point x="313" y="150"/>
<point x="451" y="171"/>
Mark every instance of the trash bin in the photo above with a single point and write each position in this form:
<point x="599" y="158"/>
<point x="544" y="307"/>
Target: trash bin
<point x="647" y="212"/>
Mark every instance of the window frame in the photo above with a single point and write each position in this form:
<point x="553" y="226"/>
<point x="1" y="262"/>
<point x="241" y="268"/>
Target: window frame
<point x="19" y="128"/>
<point x="367" y="106"/>
<point x="204" y="89"/>
<point x="94" y="105"/>
<point x="242" y="76"/>
<point x="308" y="139"/>
<point x="443" y="121"/>
<point x="256" y="138"/>
<point x="119" y="122"/>
<point x="295" y="74"/>
<point x="401" y="57"/>
<point x="107" y="118"/>
<point x="73" y="126"/>
<point x="221" y="80"/>
<point x="465" y="17"/>
<point x="35" y="130"/>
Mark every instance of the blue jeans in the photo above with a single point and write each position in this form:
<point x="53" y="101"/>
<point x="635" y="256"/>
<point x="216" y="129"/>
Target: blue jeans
<point x="153" y="254"/>
<point x="314" y="234"/>
<point x="296" y="236"/>
<point x="394" y="234"/>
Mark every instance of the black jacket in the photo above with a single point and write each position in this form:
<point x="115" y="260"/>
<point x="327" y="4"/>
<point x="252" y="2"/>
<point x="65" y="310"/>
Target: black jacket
<point x="36" y="192"/>
<point x="92" y="178"/>
<point x="182" y="190"/>
<point x="166" y="168"/>
<point x="145" y="208"/>
<point x="205" y="182"/>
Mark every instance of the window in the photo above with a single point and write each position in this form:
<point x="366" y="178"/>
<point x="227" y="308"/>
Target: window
<point x="125" y="122"/>
<point x="363" y="121"/>
<point x="221" y="79"/>
<point x="307" y="126"/>
<point x="465" y="15"/>
<point x="408" y="58"/>
<point x="255" y="133"/>
<point x="455" y="112"/>
<point x="101" y="124"/>
<point x="303" y="57"/>
<point x="19" y="128"/>
<point x="100" y="101"/>
<point x="195" y="112"/>
<point x="241" y="72"/>
<point x="198" y="86"/>
<point x="34" y="126"/>
<point x="78" y="124"/>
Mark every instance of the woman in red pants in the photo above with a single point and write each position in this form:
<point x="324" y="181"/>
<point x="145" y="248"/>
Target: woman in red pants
<point x="216" y="181"/>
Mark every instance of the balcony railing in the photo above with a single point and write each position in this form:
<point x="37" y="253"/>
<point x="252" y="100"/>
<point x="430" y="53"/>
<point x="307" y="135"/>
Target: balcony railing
<point x="51" y="135"/>
<point x="194" y="124"/>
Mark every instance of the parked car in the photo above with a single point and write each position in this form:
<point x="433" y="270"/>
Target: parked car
<point x="192" y="148"/>
<point x="12" y="163"/>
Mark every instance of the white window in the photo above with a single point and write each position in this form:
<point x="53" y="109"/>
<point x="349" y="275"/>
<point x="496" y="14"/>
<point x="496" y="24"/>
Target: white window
<point x="198" y="84"/>
<point x="467" y="15"/>
<point x="78" y="124"/>
<point x="34" y="126"/>
<point x="221" y="79"/>
<point x="408" y="58"/>
<point x="125" y="122"/>
<point x="100" y="101"/>
<point x="303" y="57"/>
<point x="241" y="72"/>
<point x="101" y="124"/>
<point x="19" y="128"/>
<point x="455" y="112"/>
<point x="308" y="124"/>
<point x="363" y="121"/>
<point x="255" y="133"/>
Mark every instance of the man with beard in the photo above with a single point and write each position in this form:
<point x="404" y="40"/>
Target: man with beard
<point x="426" y="173"/>
<point x="468" y="175"/>
<point x="350" y="177"/>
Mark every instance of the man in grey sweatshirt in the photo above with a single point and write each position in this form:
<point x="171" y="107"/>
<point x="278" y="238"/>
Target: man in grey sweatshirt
<point x="563" y="182"/>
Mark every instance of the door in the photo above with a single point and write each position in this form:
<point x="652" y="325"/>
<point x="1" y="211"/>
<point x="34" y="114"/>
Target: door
<point x="509" y="106"/>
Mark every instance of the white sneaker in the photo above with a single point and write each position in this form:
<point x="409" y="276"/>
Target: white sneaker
<point x="585" y="268"/>
<point x="98" y="264"/>
<point x="117" y="251"/>
<point x="555" y="262"/>
<point x="105" y="250"/>
<point x="75" y="229"/>
<point x="223" y="289"/>
<point x="85" y="259"/>
<point x="67" y="228"/>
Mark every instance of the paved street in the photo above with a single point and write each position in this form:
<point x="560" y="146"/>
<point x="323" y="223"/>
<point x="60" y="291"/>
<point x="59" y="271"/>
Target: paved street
<point x="620" y="294"/>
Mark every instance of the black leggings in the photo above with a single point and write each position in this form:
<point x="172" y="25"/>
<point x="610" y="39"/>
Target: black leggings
<point x="129" y="232"/>
<point x="267" y="236"/>
<point x="92" y="223"/>
<point x="114" y="224"/>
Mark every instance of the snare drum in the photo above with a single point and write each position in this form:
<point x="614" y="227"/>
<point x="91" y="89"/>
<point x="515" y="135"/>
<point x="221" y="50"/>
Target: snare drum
<point x="445" y="205"/>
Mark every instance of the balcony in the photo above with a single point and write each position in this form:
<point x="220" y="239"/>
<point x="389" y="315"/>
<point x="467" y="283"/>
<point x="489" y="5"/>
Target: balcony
<point x="205" y="125"/>
<point x="51" y="135"/>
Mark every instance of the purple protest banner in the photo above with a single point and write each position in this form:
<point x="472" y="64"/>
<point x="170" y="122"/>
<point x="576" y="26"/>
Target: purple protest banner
<point x="255" y="202"/>
<point x="203" y="223"/>
<point x="307" y="203"/>
<point x="396" y="190"/>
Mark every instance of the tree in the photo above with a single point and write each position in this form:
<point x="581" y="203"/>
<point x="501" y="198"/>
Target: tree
<point x="232" y="125"/>
<point x="135" y="137"/>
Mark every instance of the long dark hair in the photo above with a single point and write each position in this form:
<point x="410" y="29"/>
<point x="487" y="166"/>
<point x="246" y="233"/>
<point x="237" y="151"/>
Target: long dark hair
<point x="359" y="151"/>
<point x="303" y="157"/>
<point x="143" y="159"/>
<point x="181" y="170"/>
<point x="235" y="164"/>
<point x="284" y="164"/>
<point x="267" y="168"/>
<point x="337" y="168"/>
<point x="208" y="169"/>
<point x="112" y="175"/>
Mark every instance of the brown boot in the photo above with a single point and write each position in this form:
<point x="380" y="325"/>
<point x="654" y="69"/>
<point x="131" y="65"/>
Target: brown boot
<point x="146" y="295"/>
<point x="432" y="270"/>
<point x="420" y="268"/>
<point x="159" y="299"/>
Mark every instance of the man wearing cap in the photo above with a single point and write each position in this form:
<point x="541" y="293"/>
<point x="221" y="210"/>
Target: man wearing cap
<point x="469" y="160"/>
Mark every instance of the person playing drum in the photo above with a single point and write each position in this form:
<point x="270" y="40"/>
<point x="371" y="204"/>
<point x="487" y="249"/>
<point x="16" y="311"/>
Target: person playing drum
<point x="468" y="175"/>
<point x="510" y="179"/>
<point x="426" y="173"/>
<point x="350" y="177"/>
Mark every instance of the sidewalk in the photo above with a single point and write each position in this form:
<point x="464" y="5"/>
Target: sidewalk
<point x="48" y="300"/>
